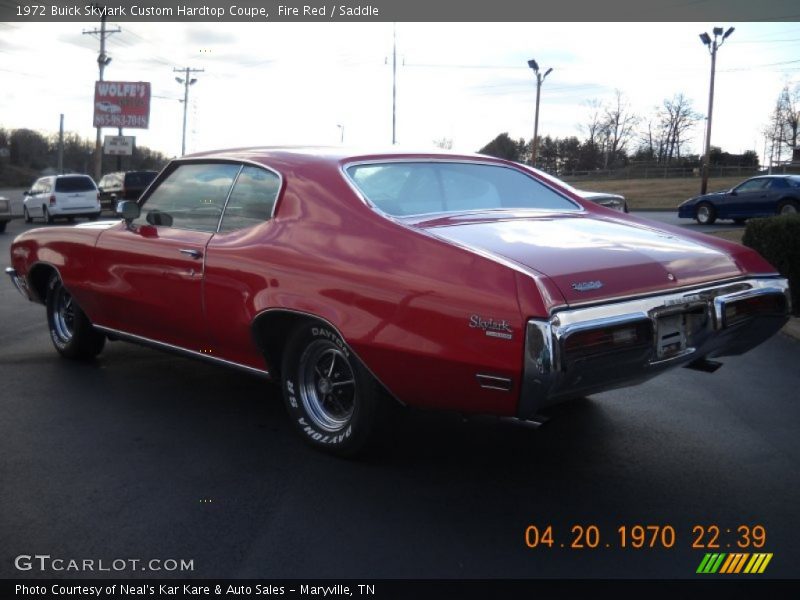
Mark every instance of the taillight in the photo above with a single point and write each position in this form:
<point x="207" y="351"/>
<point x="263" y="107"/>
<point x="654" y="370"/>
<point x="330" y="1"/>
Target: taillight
<point x="736" y="312"/>
<point x="608" y="339"/>
<point x="52" y="199"/>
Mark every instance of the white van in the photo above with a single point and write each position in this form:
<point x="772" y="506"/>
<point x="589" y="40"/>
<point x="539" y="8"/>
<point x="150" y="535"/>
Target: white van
<point x="67" y="196"/>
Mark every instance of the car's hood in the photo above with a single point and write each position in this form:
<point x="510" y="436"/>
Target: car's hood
<point x="589" y="257"/>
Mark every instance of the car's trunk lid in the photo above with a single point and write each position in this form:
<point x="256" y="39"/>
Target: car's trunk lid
<point x="591" y="258"/>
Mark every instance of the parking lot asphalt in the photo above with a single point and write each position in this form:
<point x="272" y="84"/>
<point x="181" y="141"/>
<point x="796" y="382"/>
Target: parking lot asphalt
<point x="144" y="455"/>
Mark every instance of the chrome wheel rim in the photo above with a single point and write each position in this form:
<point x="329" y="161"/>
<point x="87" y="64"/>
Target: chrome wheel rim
<point x="327" y="386"/>
<point x="788" y="209"/>
<point x="703" y="214"/>
<point x="63" y="315"/>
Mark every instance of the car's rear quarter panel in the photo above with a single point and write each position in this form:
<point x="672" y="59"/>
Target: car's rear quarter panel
<point x="402" y="299"/>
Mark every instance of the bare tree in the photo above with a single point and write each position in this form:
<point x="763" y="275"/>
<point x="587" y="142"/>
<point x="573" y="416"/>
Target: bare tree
<point x="681" y="119"/>
<point x="444" y="143"/>
<point x="593" y="126"/>
<point x="619" y="124"/>
<point x="789" y="116"/>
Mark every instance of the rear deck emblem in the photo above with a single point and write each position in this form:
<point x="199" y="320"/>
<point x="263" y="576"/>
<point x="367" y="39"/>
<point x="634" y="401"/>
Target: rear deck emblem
<point x="585" y="286"/>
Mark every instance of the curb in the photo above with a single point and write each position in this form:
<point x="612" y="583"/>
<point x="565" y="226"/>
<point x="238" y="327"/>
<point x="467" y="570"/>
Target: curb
<point x="792" y="328"/>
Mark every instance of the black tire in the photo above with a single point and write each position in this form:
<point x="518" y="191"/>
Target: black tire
<point x="332" y="399"/>
<point x="705" y="213"/>
<point x="94" y="217"/>
<point x="740" y="221"/>
<point x="71" y="331"/>
<point x="26" y="215"/>
<point x="48" y="218"/>
<point x="70" y="219"/>
<point x="787" y="207"/>
<point x="3" y="226"/>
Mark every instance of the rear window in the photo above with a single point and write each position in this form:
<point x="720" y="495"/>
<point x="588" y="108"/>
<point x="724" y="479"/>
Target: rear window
<point x="78" y="183"/>
<point x="416" y="188"/>
<point x="139" y="180"/>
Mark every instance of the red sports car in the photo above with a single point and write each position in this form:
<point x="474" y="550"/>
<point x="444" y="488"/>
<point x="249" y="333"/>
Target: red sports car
<point x="436" y="280"/>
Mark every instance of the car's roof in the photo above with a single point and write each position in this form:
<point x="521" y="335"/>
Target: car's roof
<point x="333" y="154"/>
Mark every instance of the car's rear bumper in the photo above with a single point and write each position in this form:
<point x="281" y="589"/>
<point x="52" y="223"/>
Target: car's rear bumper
<point x="19" y="282"/>
<point x="676" y="329"/>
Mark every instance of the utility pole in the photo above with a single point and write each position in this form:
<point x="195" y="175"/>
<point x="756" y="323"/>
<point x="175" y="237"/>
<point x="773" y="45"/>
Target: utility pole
<point x="61" y="145"/>
<point x="539" y="80"/>
<point x="713" y="46"/>
<point x="102" y="62"/>
<point x="394" y="83"/>
<point x="186" y="81"/>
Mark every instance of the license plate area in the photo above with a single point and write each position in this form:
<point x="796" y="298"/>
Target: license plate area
<point x="670" y="335"/>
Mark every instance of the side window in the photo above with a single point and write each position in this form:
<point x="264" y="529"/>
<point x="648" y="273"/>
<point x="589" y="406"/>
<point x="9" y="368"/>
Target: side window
<point x="778" y="184"/>
<point x="191" y="197"/>
<point x="251" y="200"/>
<point x="751" y="186"/>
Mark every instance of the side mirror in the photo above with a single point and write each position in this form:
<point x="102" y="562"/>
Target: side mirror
<point x="26" y="193"/>
<point x="128" y="211"/>
<point x="733" y="192"/>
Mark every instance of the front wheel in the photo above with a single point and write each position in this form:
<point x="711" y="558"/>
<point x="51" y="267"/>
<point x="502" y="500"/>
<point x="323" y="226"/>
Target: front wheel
<point x="70" y="329"/>
<point x="705" y="213"/>
<point x="787" y="207"/>
<point x="332" y="399"/>
<point x="48" y="218"/>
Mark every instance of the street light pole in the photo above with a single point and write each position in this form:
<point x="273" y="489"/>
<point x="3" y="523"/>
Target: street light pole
<point x="539" y="80"/>
<point x="186" y="82"/>
<point x="341" y="139"/>
<point x="713" y="46"/>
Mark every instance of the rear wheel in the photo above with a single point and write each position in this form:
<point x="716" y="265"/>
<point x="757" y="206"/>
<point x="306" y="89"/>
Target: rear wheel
<point x="787" y="207"/>
<point x="334" y="402"/>
<point x="705" y="213"/>
<point x="70" y="329"/>
<point x="48" y="218"/>
<point x="3" y="226"/>
<point x="26" y="214"/>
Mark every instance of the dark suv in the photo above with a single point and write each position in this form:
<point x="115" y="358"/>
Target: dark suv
<point x="123" y="185"/>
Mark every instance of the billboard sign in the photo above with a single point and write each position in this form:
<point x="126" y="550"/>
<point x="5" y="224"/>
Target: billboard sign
<point x="122" y="104"/>
<point x="119" y="145"/>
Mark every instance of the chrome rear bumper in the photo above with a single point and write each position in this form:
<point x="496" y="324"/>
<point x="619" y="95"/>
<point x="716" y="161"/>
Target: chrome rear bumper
<point x="710" y="326"/>
<point x="19" y="282"/>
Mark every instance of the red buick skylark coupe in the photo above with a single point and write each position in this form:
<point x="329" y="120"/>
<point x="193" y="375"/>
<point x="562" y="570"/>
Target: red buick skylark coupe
<point x="434" y="280"/>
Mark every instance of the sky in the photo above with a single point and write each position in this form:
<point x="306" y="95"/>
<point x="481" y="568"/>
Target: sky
<point x="309" y="83"/>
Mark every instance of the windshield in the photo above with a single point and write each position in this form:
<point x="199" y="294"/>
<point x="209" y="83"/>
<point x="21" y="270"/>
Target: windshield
<point x="416" y="188"/>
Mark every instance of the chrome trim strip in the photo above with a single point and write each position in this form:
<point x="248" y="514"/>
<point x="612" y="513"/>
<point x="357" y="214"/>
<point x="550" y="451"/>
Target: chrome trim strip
<point x="132" y="337"/>
<point x="494" y="382"/>
<point x="548" y="378"/>
<point x="228" y="197"/>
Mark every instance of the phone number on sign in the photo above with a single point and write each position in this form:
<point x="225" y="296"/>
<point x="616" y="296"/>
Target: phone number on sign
<point x="701" y="537"/>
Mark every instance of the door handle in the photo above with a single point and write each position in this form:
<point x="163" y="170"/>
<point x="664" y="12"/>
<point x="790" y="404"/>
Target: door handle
<point x="191" y="253"/>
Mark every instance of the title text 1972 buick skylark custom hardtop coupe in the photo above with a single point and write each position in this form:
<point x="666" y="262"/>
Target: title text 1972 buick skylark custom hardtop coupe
<point x="438" y="280"/>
